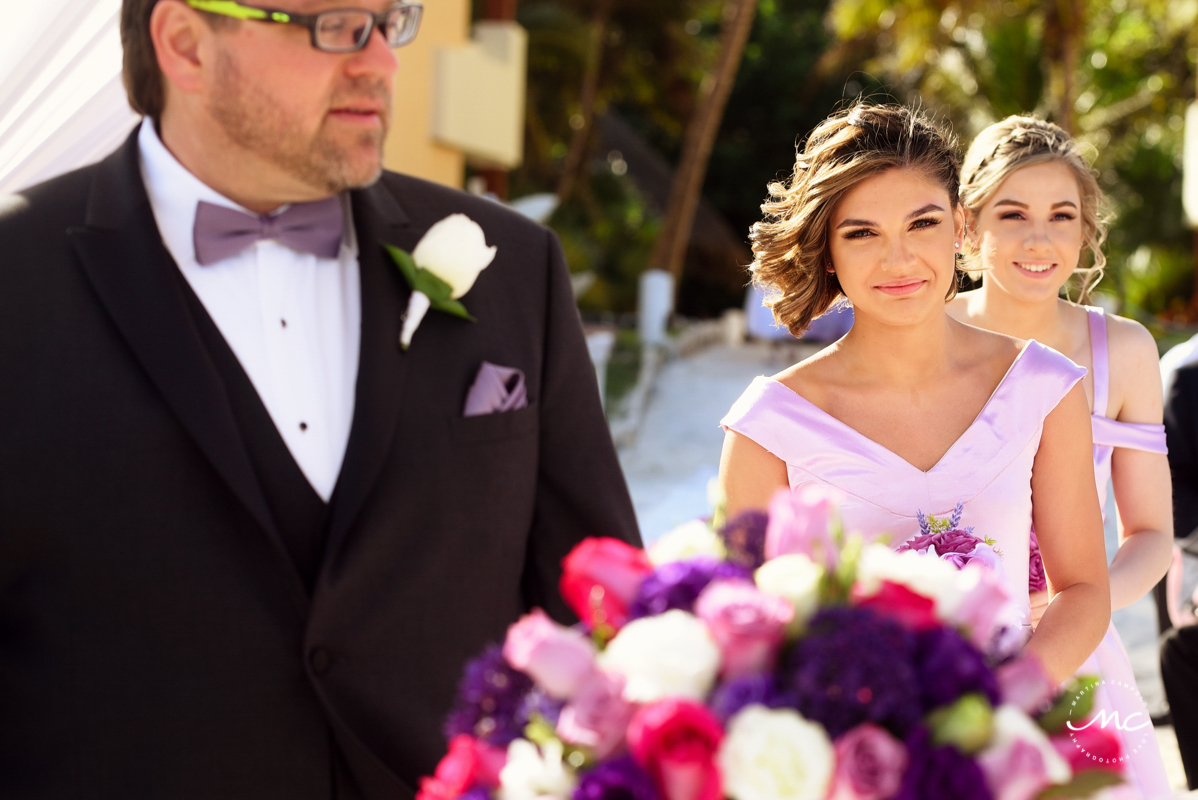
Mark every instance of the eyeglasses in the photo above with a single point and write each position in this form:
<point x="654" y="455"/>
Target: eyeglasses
<point x="340" y="30"/>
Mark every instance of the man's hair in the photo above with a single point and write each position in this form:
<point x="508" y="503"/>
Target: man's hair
<point x="791" y="244"/>
<point x="141" y="75"/>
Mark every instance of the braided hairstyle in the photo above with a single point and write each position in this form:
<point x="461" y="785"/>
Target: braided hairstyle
<point x="1020" y="141"/>
<point x="791" y="250"/>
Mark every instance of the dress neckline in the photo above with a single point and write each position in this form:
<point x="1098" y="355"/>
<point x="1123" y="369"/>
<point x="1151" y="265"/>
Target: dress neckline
<point x="886" y="450"/>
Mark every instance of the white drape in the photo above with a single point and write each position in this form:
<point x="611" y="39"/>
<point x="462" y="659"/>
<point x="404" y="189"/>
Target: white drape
<point x="62" y="104"/>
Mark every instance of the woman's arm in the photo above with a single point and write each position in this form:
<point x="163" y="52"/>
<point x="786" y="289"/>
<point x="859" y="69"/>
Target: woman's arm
<point x="749" y="475"/>
<point x="1143" y="487"/>
<point x="1069" y="526"/>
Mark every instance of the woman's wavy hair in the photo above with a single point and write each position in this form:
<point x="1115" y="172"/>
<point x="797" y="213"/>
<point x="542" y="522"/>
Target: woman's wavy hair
<point x="1019" y="142"/>
<point x="791" y="244"/>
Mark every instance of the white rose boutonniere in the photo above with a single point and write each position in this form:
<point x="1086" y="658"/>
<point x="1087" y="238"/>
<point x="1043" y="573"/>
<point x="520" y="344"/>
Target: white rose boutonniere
<point x="442" y="268"/>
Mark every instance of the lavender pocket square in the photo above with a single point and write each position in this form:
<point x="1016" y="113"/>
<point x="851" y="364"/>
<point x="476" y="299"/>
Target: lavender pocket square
<point x="496" y="389"/>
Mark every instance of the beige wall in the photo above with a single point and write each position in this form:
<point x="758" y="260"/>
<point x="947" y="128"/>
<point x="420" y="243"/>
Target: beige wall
<point x="410" y="147"/>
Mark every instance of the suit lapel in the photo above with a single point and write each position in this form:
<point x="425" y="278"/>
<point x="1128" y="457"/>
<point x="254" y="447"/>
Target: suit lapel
<point x="382" y="366"/>
<point x="138" y="283"/>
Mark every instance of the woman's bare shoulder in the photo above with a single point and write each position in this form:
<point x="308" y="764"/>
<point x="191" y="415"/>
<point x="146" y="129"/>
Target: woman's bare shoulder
<point x="1134" y="369"/>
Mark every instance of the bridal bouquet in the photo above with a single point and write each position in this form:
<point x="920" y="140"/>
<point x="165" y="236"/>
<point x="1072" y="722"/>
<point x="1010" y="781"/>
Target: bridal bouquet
<point x="775" y="659"/>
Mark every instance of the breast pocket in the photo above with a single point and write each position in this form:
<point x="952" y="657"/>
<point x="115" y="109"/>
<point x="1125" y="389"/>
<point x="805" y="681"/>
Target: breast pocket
<point x="495" y="427"/>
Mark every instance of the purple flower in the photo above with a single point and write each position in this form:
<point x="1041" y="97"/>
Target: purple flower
<point x="1036" y="580"/>
<point x="950" y="666"/>
<point x="869" y="764"/>
<point x="678" y="584"/>
<point x="945" y="543"/>
<point x="940" y="773"/>
<point x="762" y="690"/>
<point x="477" y="793"/>
<point x="744" y="538"/>
<point x="491" y="703"/>
<point x="618" y="779"/>
<point x="855" y="666"/>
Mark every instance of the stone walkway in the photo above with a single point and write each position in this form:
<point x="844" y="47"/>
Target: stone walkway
<point x="675" y="458"/>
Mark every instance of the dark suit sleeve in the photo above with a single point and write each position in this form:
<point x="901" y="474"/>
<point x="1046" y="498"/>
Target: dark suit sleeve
<point x="1181" y="432"/>
<point x="581" y="491"/>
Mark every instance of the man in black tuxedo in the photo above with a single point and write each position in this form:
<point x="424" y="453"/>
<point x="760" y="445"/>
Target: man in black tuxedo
<point x="246" y="540"/>
<point x="1179" y="646"/>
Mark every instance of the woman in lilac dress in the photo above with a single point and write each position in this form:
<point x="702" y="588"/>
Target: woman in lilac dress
<point x="913" y="411"/>
<point x="1032" y="206"/>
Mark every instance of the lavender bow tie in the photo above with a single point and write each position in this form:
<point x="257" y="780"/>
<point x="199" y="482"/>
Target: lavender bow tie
<point x="222" y="232"/>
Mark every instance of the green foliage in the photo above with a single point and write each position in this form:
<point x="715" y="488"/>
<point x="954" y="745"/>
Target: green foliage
<point x="1074" y="703"/>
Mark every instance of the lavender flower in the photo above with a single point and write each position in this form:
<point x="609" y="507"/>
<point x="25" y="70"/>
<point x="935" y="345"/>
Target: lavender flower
<point x="762" y="690"/>
<point x="950" y="666"/>
<point x="744" y="538"/>
<point x="855" y="666"/>
<point x="618" y="779"/>
<point x="491" y="703"/>
<point x="678" y="584"/>
<point x="940" y="773"/>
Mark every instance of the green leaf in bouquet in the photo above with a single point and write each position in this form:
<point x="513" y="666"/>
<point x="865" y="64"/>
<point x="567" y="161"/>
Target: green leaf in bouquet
<point x="834" y="590"/>
<point x="403" y="260"/>
<point x="967" y="724"/>
<point x="1074" y="703"/>
<point x="540" y="732"/>
<point x="1084" y="784"/>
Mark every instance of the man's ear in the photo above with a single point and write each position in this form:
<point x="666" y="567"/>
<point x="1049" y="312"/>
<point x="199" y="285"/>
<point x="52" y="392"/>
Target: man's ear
<point x="177" y="31"/>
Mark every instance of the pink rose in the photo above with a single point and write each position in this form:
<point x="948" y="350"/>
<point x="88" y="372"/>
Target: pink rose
<point x="598" y="715"/>
<point x="1037" y="581"/>
<point x="747" y="624"/>
<point x="1024" y="684"/>
<point x="676" y="741"/>
<point x="983" y="605"/>
<point x="894" y="600"/>
<point x="556" y="657"/>
<point x="801" y="522"/>
<point x="869" y="764"/>
<point x="600" y="578"/>
<point x="468" y="763"/>
<point x="1017" y="772"/>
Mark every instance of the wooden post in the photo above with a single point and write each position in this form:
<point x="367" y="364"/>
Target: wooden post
<point x="669" y="252"/>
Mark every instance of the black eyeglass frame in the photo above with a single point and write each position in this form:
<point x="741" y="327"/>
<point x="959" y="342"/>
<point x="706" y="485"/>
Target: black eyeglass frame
<point x="236" y="10"/>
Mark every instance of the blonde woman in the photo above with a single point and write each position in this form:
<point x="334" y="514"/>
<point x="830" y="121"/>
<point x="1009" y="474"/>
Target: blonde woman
<point x="1032" y="206"/>
<point x="913" y="411"/>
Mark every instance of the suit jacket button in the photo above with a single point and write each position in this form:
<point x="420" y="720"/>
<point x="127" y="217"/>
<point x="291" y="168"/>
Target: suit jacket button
<point x="321" y="660"/>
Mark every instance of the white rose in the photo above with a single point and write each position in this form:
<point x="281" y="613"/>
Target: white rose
<point x="689" y="540"/>
<point x="455" y="250"/>
<point x="1012" y="726"/>
<point x="670" y="655"/>
<point x="531" y="773"/>
<point x="775" y="754"/>
<point x="922" y="573"/>
<point x="795" y="578"/>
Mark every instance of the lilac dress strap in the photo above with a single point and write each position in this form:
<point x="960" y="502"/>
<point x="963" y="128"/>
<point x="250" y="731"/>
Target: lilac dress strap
<point x="1109" y="433"/>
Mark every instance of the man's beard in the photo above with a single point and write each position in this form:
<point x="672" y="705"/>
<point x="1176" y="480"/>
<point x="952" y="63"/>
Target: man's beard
<point x="252" y="120"/>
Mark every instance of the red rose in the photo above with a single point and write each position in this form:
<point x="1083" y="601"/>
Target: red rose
<point x="600" y="578"/>
<point x="911" y="610"/>
<point x="676" y="741"/>
<point x="468" y="763"/>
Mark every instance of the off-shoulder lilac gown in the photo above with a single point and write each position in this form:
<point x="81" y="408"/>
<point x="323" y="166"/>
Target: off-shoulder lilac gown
<point x="988" y="469"/>
<point x="1144" y="769"/>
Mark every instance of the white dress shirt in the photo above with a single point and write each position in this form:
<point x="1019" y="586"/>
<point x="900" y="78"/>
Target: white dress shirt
<point x="292" y="319"/>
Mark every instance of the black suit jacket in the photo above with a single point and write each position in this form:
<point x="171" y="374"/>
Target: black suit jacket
<point x="156" y="640"/>
<point x="1181" y="433"/>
